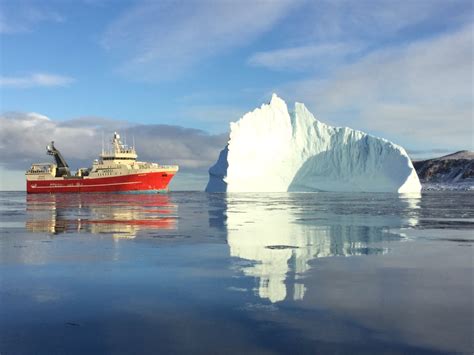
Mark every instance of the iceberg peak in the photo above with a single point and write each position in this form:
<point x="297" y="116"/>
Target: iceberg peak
<point x="277" y="103"/>
<point x="273" y="150"/>
<point x="275" y="98"/>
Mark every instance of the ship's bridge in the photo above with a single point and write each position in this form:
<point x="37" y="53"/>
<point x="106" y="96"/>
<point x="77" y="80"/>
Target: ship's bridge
<point x="119" y="151"/>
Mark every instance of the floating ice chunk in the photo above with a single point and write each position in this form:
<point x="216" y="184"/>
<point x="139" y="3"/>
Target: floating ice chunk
<point x="273" y="150"/>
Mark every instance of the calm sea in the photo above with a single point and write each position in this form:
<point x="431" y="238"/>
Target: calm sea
<point x="190" y="272"/>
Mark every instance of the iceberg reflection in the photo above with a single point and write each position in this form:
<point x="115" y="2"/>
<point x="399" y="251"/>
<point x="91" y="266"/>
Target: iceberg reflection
<point x="123" y="216"/>
<point x="283" y="235"/>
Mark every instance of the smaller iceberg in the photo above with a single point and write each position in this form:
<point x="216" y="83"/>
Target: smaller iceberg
<point x="273" y="150"/>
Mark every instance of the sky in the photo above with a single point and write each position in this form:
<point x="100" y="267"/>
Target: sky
<point x="174" y="74"/>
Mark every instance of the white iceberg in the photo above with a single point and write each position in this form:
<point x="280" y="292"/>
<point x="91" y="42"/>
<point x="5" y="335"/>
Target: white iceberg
<point x="273" y="150"/>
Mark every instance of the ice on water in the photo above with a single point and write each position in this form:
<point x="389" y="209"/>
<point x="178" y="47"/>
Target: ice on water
<point x="273" y="150"/>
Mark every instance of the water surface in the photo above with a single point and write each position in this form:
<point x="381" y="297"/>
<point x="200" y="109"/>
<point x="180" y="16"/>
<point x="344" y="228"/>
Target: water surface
<point x="236" y="273"/>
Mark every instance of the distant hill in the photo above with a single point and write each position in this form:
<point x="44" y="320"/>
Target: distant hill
<point x="452" y="169"/>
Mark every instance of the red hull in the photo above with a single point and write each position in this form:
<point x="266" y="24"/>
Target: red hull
<point x="143" y="182"/>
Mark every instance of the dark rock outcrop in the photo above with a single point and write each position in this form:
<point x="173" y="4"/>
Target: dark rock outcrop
<point x="451" y="169"/>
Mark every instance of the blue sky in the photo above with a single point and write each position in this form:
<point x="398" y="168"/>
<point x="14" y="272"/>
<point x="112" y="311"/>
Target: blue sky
<point x="401" y="70"/>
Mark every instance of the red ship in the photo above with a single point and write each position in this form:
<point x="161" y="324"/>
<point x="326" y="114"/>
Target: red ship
<point x="116" y="170"/>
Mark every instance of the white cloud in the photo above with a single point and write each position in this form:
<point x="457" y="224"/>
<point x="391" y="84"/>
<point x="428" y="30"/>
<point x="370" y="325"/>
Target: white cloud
<point x="348" y="20"/>
<point x="323" y="34"/>
<point x="215" y="117"/>
<point x="158" y="40"/>
<point x="420" y="93"/>
<point x="305" y="57"/>
<point x="35" y="80"/>
<point x="23" y="15"/>
<point x="23" y="138"/>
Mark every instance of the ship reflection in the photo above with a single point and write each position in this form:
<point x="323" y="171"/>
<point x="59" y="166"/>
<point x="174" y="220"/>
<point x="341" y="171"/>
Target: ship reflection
<point x="122" y="216"/>
<point x="281" y="236"/>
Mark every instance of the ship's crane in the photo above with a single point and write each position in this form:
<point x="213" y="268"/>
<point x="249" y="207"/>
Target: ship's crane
<point x="62" y="167"/>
